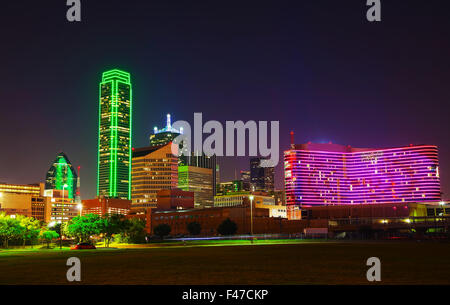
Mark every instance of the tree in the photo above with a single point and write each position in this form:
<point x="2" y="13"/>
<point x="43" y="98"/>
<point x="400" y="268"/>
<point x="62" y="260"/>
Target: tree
<point x="135" y="230"/>
<point x="162" y="230"/>
<point x="10" y="228"/>
<point x="227" y="227"/>
<point x="194" y="228"/>
<point x="112" y="224"/>
<point x="31" y="228"/>
<point x="49" y="235"/>
<point x="82" y="227"/>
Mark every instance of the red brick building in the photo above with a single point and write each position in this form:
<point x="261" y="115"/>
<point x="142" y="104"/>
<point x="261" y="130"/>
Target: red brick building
<point x="174" y="199"/>
<point x="211" y="218"/>
<point x="102" y="206"/>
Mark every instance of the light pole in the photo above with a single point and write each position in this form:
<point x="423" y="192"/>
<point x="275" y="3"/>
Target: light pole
<point x="80" y="207"/>
<point x="62" y="213"/>
<point x="251" y="197"/>
<point x="442" y="204"/>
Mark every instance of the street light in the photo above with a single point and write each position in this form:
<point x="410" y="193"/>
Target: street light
<point x="80" y="207"/>
<point x="62" y="212"/>
<point x="251" y="197"/>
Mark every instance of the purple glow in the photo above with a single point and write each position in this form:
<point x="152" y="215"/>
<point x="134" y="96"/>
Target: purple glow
<point x="331" y="174"/>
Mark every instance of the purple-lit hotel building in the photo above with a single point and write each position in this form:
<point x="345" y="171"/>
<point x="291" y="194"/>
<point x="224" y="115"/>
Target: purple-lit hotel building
<point x="331" y="174"/>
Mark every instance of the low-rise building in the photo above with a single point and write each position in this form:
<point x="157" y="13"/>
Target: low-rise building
<point x="102" y="206"/>
<point x="24" y="199"/>
<point x="175" y="199"/>
<point x="62" y="208"/>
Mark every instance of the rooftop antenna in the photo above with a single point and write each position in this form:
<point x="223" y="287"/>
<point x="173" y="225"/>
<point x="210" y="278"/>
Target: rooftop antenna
<point x="168" y="125"/>
<point x="292" y="139"/>
<point x="77" y="193"/>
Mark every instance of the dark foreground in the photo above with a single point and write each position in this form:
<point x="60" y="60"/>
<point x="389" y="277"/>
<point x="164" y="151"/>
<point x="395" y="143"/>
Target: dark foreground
<point x="308" y="263"/>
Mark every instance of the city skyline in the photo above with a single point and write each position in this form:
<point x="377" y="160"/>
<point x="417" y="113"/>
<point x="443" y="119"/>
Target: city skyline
<point x="225" y="151"/>
<point x="313" y="77"/>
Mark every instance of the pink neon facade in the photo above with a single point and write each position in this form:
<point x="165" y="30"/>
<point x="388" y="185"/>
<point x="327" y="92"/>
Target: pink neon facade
<point x="331" y="174"/>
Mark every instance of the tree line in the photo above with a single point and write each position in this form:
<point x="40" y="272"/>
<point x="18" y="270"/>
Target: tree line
<point x="21" y="230"/>
<point x="227" y="227"/>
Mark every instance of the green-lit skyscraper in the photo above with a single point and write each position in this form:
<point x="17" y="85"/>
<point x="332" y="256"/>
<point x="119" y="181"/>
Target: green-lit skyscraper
<point x="61" y="176"/>
<point x="114" y="135"/>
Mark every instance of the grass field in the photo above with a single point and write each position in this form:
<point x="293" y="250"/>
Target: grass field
<point x="235" y="262"/>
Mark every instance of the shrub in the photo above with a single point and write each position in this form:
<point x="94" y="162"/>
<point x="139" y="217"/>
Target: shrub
<point x="227" y="227"/>
<point x="162" y="230"/>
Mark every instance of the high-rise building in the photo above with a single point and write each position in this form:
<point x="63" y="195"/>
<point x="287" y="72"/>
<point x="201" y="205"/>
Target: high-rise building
<point x="62" y="175"/>
<point x="164" y="135"/>
<point x="245" y="177"/>
<point x="154" y="168"/>
<point x="203" y="161"/>
<point x="114" y="135"/>
<point x="77" y="192"/>
<point x="230" y="187"/>
<point x="331" y="174"/>
<point x="261" y="178"/>
<point x="198" y="180"/>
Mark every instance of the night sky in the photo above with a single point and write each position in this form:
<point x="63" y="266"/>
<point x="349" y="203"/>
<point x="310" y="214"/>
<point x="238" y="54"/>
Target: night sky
<point x="319" y="67"/>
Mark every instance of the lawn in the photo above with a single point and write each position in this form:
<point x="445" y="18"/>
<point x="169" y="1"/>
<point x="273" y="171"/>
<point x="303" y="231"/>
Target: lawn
<point x="268" y="262"/>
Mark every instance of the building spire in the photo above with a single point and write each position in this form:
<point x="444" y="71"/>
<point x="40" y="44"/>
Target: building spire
<point x="168" y="125"/>
<point x="77" y="193"/>
<point x="292" y="140"/>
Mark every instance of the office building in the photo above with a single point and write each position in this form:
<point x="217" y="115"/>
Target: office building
<point x="61" y="175"/>
<point x="114" y="135"/>
<point x="230" y="187"/>
<point x="245" y="177"/>
<point x="102" y="206"/>
<point x="154" y="168"/>
<point x="261" y="178"/>
<point x="331" y="174"/>
<point x="243" y="197"/>
<point x="24" y="199"/>
<point x="62" y="208"/>
<point x="174" y="199"/>
<point x="198" y="180"/>
<point x="203" y="161"/>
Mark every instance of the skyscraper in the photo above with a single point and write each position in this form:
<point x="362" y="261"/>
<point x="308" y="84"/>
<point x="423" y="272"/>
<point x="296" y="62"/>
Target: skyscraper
<point x="154" y="168"/>
<point x="245" y="178"/>
<point x="203" y="161"/>
<point x="261" y="178"/>
<point x="114" y="135"/>
<point x="61" y="173"/>
<point x="198" y="180"/>
<point x="164" y="135"/>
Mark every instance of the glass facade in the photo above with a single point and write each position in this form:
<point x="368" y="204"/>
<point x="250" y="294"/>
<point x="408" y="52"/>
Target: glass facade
<point x="197" y="180"/>
<point x="114" y="135"/>
<point x="61" y="172"/>
<point x="261" y="178"/>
